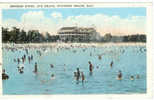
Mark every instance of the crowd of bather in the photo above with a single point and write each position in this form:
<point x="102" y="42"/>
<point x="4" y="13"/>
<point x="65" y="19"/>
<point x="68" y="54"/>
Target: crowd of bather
<point x="78" y="74"/>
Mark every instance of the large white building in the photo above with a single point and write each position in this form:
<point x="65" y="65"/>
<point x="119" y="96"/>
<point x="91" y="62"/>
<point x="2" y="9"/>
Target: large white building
<point x="77" y="33"/>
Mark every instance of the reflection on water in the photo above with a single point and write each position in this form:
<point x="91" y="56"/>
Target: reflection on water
<point x="56" y="67"/>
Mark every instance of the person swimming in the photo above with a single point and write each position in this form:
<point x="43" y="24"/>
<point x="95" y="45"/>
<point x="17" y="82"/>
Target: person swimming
<point x="131" y="77"/>
<point x="51" y="65"/>
<point x="119" y="75"/>
<point x="52" y="76"/>
<point x="20" y="68"/>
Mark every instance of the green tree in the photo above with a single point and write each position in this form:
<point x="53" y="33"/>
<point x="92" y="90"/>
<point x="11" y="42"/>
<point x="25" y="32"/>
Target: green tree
<point x="107" y="37"/>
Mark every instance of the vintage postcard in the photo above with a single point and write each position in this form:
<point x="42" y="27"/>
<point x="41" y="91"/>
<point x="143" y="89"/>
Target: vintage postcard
<point x="76" y="49"/>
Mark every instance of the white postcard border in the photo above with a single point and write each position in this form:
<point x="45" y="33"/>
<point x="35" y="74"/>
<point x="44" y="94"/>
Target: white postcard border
<point x="150" y="69"/>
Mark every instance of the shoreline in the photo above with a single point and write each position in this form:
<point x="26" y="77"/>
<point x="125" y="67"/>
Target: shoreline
<point x="36" y="45"/>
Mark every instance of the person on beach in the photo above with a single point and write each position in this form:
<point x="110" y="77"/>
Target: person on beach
<point x="90" y="67"/>
<point x="35" y="70"/>
<point x="83" y="77"/>
<point x="119" y="75"/>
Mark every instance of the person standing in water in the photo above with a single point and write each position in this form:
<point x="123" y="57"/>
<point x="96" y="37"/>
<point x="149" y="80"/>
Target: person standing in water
<point x="75" y="74"/>
<point x="29" y="59"/>
<point x="137" y="76"/>
<point x="64" y="67"/>
<point x="119" y="75"/>
<point x="90" y="67"/>
<point x="4" y="75"/>
<point x="78" y="74"/>
<point x="35" y="70"/>
<point x="18" y="60"/>
<point x="111" y="64"/>
<point x="26" y="51"/>
<point x="24" y="57"/>
<point x="99" y="57"/>
<point x="83" y="77"/>
<point x="14" y="60"/>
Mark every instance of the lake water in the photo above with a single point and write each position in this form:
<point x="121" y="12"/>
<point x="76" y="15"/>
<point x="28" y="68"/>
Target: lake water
<point x="130" y="59"/>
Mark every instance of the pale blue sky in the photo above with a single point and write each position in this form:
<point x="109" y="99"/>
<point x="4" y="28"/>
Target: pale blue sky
<point x="117" y="21"/>
<point x="122" y="12"/>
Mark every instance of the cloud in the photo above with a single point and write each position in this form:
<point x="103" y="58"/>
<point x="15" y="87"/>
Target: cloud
<point x="33" y="20"/>
<point x="109" y="24"/>
<point x="103" y="23"/>
<point x="11" y="23"/>
<point x="56" y="15"/>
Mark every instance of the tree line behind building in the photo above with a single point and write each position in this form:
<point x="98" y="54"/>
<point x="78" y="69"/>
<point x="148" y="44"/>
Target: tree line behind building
<point x="17" y="35"/>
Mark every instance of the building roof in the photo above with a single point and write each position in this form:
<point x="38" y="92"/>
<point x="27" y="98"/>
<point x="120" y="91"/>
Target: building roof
<point x="76" y="30"/>
<point x="68" y="28"/>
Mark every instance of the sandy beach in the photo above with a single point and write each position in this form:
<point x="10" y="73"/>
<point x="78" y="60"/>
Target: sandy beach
<point x="39" y="45"/>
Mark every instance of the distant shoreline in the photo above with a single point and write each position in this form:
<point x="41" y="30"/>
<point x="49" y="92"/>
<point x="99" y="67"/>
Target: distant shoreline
<point x="38" y="45"/>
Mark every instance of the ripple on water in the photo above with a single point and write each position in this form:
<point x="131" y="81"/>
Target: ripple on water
<point x="131" y="60"/>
